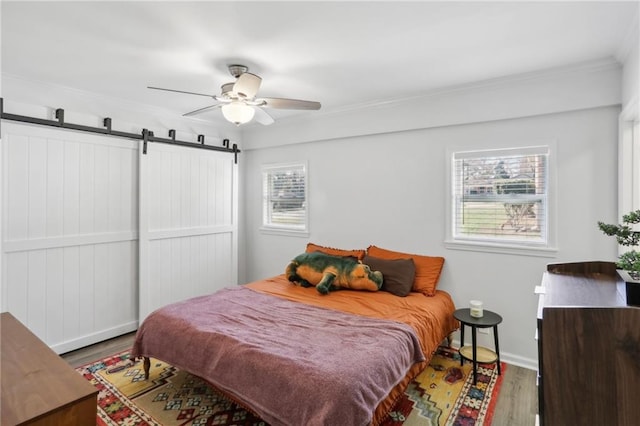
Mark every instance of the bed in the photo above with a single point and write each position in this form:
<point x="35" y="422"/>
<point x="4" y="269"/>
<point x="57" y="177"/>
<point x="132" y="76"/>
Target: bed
<point x="293" y="356"/>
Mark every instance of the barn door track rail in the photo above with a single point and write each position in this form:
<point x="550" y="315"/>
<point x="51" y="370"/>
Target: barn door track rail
<point x="146" y="136"/>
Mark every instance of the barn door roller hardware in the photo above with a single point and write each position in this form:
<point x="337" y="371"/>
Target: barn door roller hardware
<point x="234" y="148"/>
<point x="146" y="136"/>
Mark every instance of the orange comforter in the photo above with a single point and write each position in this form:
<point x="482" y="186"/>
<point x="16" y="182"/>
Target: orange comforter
<point x="430" y="317"/>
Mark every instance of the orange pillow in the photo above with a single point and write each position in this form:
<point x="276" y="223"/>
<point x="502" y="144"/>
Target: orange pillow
<point x="358" y="254"/>
<point x="428" y="268"/>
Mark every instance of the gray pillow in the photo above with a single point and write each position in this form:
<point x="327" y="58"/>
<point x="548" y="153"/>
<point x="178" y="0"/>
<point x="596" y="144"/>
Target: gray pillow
<point x="398" y="274"/>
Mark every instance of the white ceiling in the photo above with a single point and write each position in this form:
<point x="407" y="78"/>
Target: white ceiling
<point x="342" y="54"/>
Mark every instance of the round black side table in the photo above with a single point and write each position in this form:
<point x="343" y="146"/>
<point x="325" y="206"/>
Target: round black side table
<point x="475" y="353"/>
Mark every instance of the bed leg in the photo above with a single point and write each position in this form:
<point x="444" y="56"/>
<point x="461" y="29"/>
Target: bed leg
<point x="147" y="367"/>
<point x="449" y="340"/>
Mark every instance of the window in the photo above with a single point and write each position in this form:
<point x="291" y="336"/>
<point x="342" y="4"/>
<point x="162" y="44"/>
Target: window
<point x="500" y="197"/>
<point x="284" y="197"/>
<point x="629" y="161"/>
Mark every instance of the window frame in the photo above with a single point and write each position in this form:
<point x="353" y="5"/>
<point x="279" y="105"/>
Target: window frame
<point x="283" y="229"/>
<point x="629" y="159"/>
<point x="546" y="248"/>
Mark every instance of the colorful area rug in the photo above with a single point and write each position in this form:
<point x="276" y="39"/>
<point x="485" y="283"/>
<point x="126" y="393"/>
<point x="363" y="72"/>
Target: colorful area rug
<point x="443" y="394"/>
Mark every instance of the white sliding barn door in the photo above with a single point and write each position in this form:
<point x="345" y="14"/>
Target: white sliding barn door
<point x="69" y="249"/>
<point x="188" y="224"/>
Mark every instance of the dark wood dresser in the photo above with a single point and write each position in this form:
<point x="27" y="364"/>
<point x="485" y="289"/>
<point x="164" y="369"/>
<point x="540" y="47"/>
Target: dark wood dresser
<point x="38" y="387"/>
<point x="588" y="347"/>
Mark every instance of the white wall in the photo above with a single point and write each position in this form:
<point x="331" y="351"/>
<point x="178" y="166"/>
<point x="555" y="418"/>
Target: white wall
<point x="585" y="85"/>
<point x="41" y="99"/>
<point x="389" y="189"/>
<point x="629" y="132"/>
<point x="629" y="56"/>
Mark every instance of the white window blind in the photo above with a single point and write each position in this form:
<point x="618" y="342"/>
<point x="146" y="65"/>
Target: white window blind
<point x="501" y="196"/>
<point x="284" y="197"/>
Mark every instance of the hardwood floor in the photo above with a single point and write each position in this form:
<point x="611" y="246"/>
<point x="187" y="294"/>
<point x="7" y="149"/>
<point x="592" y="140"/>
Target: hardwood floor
<point x="517" y="402"/>
<point x="518" y="399"/>
<point x="98" y="351"/>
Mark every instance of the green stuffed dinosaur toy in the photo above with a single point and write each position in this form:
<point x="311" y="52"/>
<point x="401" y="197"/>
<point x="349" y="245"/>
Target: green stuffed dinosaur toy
<point x="328" y="273"/>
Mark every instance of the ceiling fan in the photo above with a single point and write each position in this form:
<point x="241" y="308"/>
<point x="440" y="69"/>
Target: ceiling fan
<point x="238" y="100"/>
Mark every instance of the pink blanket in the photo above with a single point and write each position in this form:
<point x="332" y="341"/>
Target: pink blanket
<point x="293" y="364"/>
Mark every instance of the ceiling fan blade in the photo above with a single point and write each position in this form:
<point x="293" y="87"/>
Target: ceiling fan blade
<point x="262" y="117"/>
<point x="247" y="85"/>
<point x="201" y="110"/>
<point x="282" y="103"/>
<point x="179" y="91"/>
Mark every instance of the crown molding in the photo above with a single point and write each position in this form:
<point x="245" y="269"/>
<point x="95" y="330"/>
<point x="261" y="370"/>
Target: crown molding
<point x="630" y="41"/>
<point x="602" y="64"/>
<point x="585" y="85"/>
<point x="125" y="109"/>
<point x="35" y="95"/>
<point x="85" y="95"/>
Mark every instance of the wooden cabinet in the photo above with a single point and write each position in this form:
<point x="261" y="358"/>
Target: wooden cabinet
<point x="588" y="347"/>
<point x="37" y="387"/>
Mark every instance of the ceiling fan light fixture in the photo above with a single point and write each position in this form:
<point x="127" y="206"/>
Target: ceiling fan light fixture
<point x="238" y="102"/>
<point x="238" y="113"/>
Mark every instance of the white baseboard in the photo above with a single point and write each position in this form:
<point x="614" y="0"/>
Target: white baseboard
<point x="90" y="339"/>
<point x="509" y="358"/>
